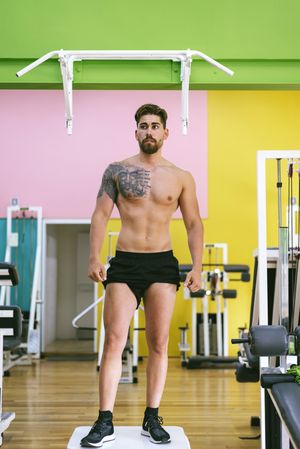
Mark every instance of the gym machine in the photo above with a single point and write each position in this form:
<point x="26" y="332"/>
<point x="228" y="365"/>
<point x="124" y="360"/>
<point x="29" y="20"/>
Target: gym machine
<point x="23" y="249"/>
<point x="10" y="328"/>
<point x="206" y="354"/>
<point x="283" y="397"/>
<point x="273" y="341"/>
<point x="247" y="368"/>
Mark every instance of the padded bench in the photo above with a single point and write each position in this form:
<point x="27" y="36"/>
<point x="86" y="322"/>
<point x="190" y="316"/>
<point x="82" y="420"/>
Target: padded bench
<point x="286" y="399"/>
<point x="11" y="343"/>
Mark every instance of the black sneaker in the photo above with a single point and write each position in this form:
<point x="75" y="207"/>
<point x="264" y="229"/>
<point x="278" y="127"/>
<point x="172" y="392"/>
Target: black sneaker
<point x="102" y="431"/>
<point x="152" y="427"/>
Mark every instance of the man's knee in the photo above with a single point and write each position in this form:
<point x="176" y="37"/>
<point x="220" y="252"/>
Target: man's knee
<point x="158" y="344"/>
<point x="114" y="342"/>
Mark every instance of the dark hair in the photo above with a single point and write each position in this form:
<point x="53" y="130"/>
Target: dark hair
<point x="152" y="109"/>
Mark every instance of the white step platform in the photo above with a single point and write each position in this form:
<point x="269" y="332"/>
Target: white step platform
<point x="131" y="438"/>
<point x="6" y="419"/>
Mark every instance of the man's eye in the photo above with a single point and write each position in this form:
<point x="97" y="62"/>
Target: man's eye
<point x="155" y="127"/>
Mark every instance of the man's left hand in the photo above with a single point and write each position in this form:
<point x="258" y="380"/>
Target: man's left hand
<point x="193" y="280"/>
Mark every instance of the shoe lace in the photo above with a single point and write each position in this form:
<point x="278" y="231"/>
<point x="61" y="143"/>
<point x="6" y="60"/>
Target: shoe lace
<point x="99" y="425"/>
<point x="154" y="421"/>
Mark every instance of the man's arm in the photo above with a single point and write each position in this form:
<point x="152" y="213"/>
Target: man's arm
<point x="105" y="202"/>
<point x="190" y="212"/>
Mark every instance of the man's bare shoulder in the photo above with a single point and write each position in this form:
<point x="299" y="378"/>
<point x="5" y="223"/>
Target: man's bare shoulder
<point x="183" y="174"/>
<point x="125" y="162"/>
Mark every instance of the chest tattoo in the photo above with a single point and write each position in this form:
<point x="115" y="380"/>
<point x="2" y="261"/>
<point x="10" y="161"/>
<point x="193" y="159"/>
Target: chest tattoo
<point x="130" y="181"/>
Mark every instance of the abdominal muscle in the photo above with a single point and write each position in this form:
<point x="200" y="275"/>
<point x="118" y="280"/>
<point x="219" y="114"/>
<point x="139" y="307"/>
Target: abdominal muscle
<point x="145" y="233"/>
<point x="142" y="242"/>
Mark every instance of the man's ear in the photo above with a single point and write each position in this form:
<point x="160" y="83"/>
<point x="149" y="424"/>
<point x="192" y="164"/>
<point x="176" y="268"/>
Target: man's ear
<point x="166" y="133"/>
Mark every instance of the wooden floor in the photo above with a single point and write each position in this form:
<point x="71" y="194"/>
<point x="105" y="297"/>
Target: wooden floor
<point x="52" y="398"/>
<point x="71" y="346"/>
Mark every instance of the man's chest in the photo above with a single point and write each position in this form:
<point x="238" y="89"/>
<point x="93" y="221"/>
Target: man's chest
<point x="160" y="185"/>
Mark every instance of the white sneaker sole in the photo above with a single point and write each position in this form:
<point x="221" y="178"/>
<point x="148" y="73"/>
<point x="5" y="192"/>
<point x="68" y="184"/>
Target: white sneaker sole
<point x="105" y="440"/>
<point x="147" y="434"/>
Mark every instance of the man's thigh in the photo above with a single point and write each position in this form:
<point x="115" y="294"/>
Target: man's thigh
<point x="159" y="301"/>
<point x="119" y="308"/>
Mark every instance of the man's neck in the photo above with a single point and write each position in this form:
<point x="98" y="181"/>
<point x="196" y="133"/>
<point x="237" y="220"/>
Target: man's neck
<point x="150" y="159"/>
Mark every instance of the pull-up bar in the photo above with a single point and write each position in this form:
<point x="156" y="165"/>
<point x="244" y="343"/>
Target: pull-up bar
<point x="68" y="57"/>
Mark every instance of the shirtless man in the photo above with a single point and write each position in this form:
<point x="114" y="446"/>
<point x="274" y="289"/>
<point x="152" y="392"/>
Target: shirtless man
<point x="147" y="190"/>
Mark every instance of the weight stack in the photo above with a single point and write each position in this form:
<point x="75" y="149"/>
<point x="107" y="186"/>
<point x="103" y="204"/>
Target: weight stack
<point x="212" y="329"/>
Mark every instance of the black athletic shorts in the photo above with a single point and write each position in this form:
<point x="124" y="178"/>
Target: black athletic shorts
<point x="140" y="270"/>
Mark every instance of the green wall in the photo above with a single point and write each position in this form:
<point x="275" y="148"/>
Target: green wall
<point x="258" y="39"/>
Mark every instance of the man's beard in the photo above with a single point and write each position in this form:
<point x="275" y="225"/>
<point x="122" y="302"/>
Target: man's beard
<point x="150" y="147"/>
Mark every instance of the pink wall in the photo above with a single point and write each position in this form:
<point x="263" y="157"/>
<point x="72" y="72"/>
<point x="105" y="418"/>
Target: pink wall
<point x="42" y="166"/>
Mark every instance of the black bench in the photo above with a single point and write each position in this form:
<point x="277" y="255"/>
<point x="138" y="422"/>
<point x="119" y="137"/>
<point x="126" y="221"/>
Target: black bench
<point x="286" y="398"/>
<point x="285" y="395"/>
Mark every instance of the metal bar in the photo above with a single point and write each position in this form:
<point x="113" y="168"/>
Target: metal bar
<point x="10" y="210"/>
<point x="135" y="338"/>
<point x="219" y="326"/>
<point x="205" y="326"/>
<point x="36" y="284"/>
<point x="95" y="334"/>
<point x="6" y="313"/>
<point x="87" y="310"/>
<point x="185" y="79"/>
<point x="297" y="299"/>
<point x="262" y="238"/>
<point x="66" y="67"/>
<point x="4" y="288"/>
<point x="225" y="303"/>
<point x="125" y="54"/>
<point x="276" y="303"/>
<point x="36" y="63"/>
<point x="34" y="292"/>
<point x="66" y="59"/>
<point x="283" y="266"/>
<point x="283" y="277"/>
<point x="262" y="272"/>
<point x="43" y="287"/>
<point x="5" y="283"/>
<point x="194" y="326"/>
<point x="279" y="187"/>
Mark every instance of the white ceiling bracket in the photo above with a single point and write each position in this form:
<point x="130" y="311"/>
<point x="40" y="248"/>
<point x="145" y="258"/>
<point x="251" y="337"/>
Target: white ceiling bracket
<point x="66" y="67"/>
<point x="186" y="66"/>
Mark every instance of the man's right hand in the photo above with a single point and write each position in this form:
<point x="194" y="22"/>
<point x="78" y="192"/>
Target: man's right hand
<point x="97" y="271"/>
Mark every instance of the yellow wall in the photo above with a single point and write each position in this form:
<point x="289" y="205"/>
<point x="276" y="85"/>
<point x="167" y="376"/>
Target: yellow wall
<point x="239" y="124"/>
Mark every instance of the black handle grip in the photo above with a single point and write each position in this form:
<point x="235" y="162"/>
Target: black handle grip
<point x="235" y="341"/>
<point x="229" y="268"/>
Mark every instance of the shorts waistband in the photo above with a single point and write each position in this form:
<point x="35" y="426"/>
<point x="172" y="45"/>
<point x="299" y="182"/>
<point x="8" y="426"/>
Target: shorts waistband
<point x="129" y="254"/>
